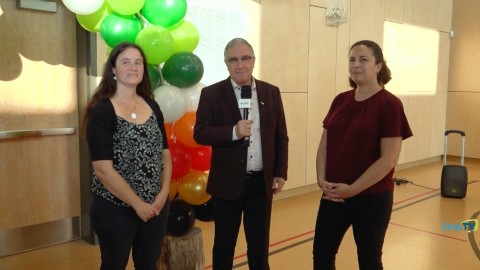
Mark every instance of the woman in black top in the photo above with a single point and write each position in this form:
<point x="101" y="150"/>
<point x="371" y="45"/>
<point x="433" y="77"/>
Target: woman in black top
<point x="131" y="162"/>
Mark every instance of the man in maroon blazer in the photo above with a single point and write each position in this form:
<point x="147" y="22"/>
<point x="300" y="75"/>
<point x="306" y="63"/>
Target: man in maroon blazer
<point x="249" y="156"/>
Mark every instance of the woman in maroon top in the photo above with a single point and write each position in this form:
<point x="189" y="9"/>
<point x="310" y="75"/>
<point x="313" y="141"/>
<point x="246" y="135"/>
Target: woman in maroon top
<point x="365" y="127"/>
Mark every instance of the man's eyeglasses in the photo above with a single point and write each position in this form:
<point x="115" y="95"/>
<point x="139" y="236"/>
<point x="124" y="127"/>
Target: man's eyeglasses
<point x="235" y="61"/>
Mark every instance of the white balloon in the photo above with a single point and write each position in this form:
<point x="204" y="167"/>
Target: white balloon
<point x="192" y="95"/>
<point x="83" y="7"/>
<point x="171" y="101"/>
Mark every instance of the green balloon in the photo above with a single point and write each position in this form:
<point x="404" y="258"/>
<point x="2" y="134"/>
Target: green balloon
<point x="183" y="69"/>
<point x="126" y="7"/>
<point x="156" y="42"/>
<point x="185" y="35"/>
<point x="92" y="22"/>
<point x="117" y="28"/>
<point x="155" y="77"/>
<point x="164" y="12"/>
<point x="107" y="53"/>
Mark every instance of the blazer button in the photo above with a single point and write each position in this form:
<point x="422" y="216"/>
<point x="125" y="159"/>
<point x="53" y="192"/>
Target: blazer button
<point x="242" y="160"/>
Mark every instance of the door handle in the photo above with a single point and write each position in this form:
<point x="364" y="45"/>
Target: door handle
<point x="27" y="133"/>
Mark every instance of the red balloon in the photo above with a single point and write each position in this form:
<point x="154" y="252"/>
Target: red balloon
<point x="201" y="158"/>
<point x="183" y="129"/>
<point x="181" y="160"/>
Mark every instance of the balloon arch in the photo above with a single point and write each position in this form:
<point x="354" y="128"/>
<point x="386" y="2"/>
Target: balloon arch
<point x="168" y="41"/>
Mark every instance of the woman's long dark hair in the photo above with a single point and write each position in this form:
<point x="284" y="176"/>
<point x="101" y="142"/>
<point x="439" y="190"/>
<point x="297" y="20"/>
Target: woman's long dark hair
<point x="384" y="75"/>
<point x="108" y="85"/>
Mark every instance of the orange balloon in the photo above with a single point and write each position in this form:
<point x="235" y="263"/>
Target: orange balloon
<point x="173" y="190"/>
<point x="192" y="188"/>
<point x="169" y="130"/>
<point x="183" y="129"/>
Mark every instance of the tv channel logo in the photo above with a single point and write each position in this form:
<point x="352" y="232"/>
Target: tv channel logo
<point x="469" y="225"/>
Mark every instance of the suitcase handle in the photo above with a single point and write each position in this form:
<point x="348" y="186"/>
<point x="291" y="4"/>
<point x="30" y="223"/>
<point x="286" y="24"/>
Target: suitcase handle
<point x="445" y="146"/>
<point x="455" y="131"/>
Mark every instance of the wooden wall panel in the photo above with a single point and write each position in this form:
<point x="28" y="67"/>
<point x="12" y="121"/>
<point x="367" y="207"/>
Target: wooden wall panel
<point x="425" y="13"/>
<point x="439" y="102"/>
<point x="444" y="15"/>
<point x="419" y="74"/>
<point x="284" y="43"/>
<point x="296" y="114"/>
<point x="403" y="153"/>
<point x="408" y="11"/>
<point x="319" y="3"/>
<point x="321" y="82"/>
<point x="284" y="33"/>
<point x="366" y="20"/>
<point x="465" y="45"/>
<point x="343" y="49"/>
<point x="419" y="117"/>
<point x="394" y="10"/>
<point x="463" y="114"/>
<point x="438" y="12"/>
<point x="463" y="90"/>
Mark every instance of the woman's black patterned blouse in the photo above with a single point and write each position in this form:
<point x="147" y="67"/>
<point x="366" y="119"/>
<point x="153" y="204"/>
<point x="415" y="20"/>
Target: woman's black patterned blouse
<point x="135" y="149"/>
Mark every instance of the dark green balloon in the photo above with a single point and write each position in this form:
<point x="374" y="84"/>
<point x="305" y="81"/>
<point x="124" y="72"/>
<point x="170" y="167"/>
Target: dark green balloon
<point x="116" y="29"/>
<point x="155" y="77"/>
<point x="183" y="69"/>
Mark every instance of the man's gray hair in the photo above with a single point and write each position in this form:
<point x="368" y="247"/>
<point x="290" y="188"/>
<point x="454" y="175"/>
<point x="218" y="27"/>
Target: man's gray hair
<point x="234" y="42"/>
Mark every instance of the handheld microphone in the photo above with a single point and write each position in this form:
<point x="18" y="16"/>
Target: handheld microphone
<point x="245" y="104"/>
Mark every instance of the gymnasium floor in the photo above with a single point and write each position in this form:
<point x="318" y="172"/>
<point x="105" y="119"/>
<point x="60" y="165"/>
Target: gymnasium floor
<point x="415" y="239"/>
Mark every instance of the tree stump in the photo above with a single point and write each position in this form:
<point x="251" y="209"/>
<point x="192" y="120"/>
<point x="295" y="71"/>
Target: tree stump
<point x="182" y="253"/>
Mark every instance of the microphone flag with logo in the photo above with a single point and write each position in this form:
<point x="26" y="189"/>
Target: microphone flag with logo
<point x="245" y="104"/>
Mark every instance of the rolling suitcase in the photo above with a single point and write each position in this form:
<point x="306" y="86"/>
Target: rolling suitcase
<point x="454" y="177"/>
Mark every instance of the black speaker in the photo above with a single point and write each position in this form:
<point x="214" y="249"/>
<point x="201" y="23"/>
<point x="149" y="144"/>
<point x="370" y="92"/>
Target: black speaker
<point x="454" y="177"/>
<point x="454" y="181"/>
